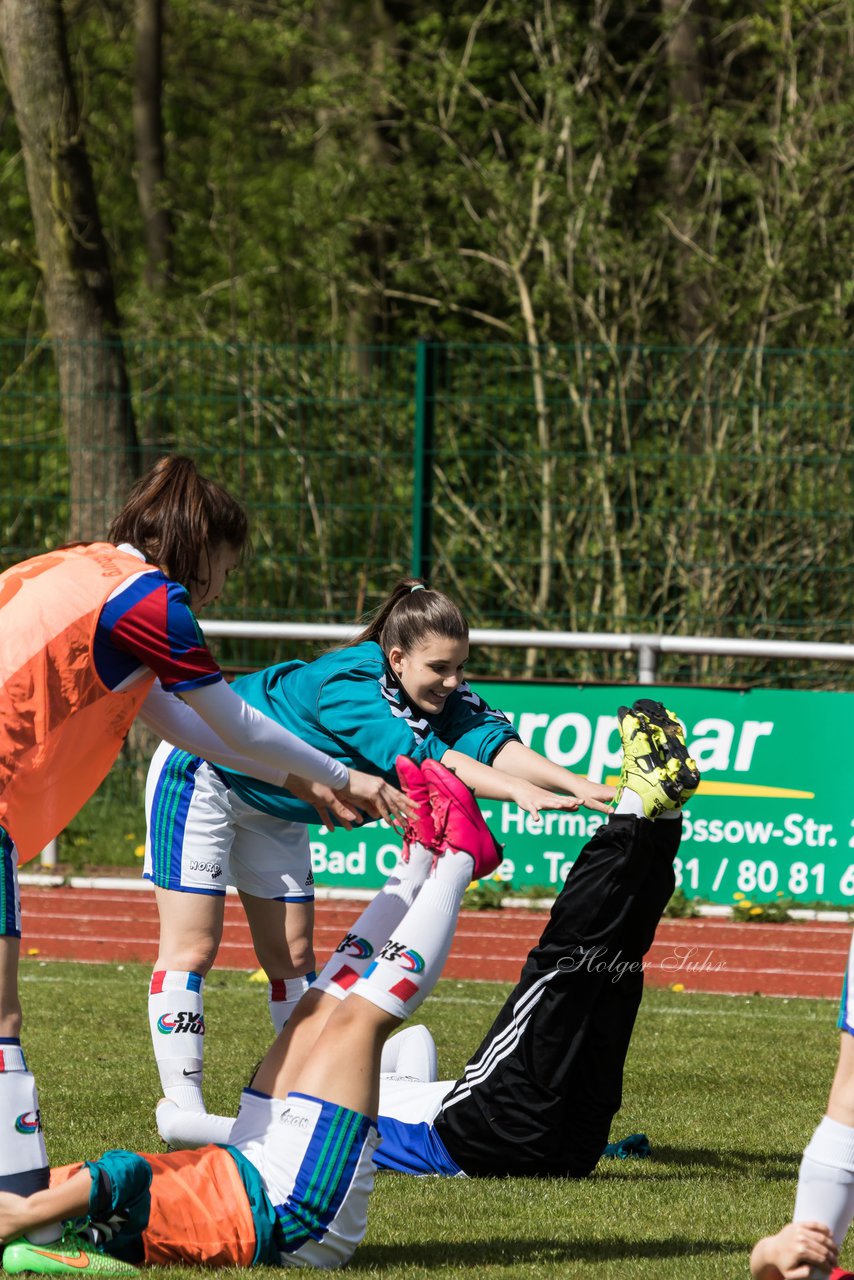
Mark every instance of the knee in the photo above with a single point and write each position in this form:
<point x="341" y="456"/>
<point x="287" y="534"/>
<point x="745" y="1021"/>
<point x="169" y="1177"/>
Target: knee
<point x="192" y="957"/>
<point x="290" y="960"/>
<point x="302" y="956"/>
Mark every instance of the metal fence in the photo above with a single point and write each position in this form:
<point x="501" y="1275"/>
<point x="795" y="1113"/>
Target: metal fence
<point x="671" y="491"/>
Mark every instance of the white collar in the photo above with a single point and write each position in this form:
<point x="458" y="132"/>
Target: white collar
<point x="129" y="550"/>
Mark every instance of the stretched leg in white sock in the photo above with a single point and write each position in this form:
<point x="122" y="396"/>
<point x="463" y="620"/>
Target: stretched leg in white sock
<point x="354" y="954"/>
<point x="824" y="1203"/>
<point x="361" y="945"/>
<point x="826" y="1180"/>
<point x="190" y="933"/>
<point x="343" y="1063"/>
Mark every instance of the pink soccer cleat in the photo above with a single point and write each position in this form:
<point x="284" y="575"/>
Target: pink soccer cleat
<point x="459" y="822"/>
<point x="420" y="829"/>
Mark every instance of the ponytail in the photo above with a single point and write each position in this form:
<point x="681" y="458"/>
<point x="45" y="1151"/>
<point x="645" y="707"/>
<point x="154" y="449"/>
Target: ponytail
<point x="412" y="613"/>
<point x="174" y="515"/>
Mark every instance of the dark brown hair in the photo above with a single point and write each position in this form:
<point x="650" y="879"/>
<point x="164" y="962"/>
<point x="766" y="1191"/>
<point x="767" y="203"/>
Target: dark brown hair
<point x="174" y="515"/>
<point x="411" y="613"/>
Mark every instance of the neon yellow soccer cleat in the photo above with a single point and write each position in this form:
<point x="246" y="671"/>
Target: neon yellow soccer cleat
<point x="656" y="764"/>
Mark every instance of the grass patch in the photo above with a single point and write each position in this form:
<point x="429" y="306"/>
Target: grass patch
<point x="728" y="1089"/>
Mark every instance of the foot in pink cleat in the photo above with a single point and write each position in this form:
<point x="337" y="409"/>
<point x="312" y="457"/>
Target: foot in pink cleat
<point x="420" y="829"/>
<point x="458" y="820"/>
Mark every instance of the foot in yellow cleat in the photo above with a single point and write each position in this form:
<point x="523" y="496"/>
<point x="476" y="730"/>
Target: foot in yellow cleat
<point x="666" y="733"/>
<point x="646" y="771"/>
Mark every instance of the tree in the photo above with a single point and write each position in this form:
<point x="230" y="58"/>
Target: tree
<point x="148" y="137"/>
<point x="80" y="302"/>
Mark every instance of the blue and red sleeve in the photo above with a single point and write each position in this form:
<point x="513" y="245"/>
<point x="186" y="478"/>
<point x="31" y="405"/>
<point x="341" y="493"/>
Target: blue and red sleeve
<point x="148" y="622"/>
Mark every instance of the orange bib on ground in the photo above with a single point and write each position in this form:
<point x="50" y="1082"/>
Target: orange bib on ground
<point x="60" y="727"/>
<point x="200" y="1212"/>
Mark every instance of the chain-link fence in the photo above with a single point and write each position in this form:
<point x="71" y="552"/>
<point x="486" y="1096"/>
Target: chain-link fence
<point x="580" y="489"/>
<point x="702" y="491"/>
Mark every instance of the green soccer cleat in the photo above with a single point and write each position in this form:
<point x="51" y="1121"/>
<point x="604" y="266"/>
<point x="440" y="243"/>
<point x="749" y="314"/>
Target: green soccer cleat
<point x="69" y="1254"/>
<point x="665" y="731"/>
<point x="648" y="768"/>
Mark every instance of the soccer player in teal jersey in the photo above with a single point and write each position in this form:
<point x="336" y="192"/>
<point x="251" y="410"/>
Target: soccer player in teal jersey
<point x="398" y="689"/>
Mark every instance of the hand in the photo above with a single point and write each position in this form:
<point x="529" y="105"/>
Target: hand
<point x="331" y="808"/>
<point x="532" y="798"/>
<point x="793" y="1252"/>
<point x="377" y="797"/>
<point x="593" y="795"/>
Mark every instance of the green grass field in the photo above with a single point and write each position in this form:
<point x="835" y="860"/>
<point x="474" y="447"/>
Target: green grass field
<point x="727" y="1088"/>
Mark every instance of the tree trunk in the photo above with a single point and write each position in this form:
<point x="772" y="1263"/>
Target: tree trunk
<point x="370" y="29"/>
<point x="79" y="297"/>
<point x="148" y="141"/>
<point x="682" y="36"/>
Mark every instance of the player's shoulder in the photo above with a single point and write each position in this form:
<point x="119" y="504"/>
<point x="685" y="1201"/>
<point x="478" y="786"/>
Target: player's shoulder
<point x="358" y="660"/>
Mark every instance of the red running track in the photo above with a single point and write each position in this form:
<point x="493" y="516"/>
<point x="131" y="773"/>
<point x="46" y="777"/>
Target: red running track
<point x="114" y="925"/>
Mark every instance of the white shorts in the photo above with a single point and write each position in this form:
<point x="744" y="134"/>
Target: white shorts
<point x="316" y="1163"/>
<point x="845" y="1021"/>
<point x="202" y="837"/>
<point x="412" y="1101"/>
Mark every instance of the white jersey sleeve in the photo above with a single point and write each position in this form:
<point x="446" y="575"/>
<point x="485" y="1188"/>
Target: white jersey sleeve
<point x="221" y="724"/>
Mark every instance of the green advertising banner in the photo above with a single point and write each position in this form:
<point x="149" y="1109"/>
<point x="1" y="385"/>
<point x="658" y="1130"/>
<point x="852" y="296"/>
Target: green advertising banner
<point x="774" y="813"/>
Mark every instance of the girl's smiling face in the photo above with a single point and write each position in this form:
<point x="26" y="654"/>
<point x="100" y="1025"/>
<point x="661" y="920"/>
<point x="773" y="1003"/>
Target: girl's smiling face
<point x="431" y="670"/>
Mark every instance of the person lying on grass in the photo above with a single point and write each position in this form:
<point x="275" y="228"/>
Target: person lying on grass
<point x="292" y="1186"/>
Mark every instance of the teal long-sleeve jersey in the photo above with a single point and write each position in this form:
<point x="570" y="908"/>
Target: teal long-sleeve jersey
<point x="349" y="704"/>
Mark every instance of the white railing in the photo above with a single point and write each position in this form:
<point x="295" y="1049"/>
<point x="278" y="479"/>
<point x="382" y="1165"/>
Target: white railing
<point x="647" y="647"/>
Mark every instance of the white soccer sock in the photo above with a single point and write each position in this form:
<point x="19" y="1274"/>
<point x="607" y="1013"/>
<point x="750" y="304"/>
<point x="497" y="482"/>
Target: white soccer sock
<point x="826" y="1179"/>
<point x="376" y="923"/>
<point x="631" y="803"/>
<point x="177" y="1021"/>
<point x="183" y="1129"/>
<point x="23" y="1158"/>
<point x="408" y="966"/>
<point x="410" y="1053"/>
<point x="283" y="996"/>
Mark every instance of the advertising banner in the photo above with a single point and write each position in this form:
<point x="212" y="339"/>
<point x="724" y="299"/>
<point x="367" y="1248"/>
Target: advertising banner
<point x="774" y="814"/>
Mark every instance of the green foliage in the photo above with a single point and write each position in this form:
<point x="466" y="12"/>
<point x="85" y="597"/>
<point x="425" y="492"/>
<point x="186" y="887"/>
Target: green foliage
<point x="526" y="184"/>
<point x="776" y="911"/>
<point x="698" y="491"/>
<point x="681" y="907"/>
<point x="366" y="173"/>
<point x="486" y="895"/>
<point x="718" y="1176"/>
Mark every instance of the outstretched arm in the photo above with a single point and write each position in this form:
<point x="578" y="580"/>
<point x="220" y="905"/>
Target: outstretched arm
<point x="489" y="783"/>
<point x="516" y="758"/>
<point x="20" y="1214"/>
